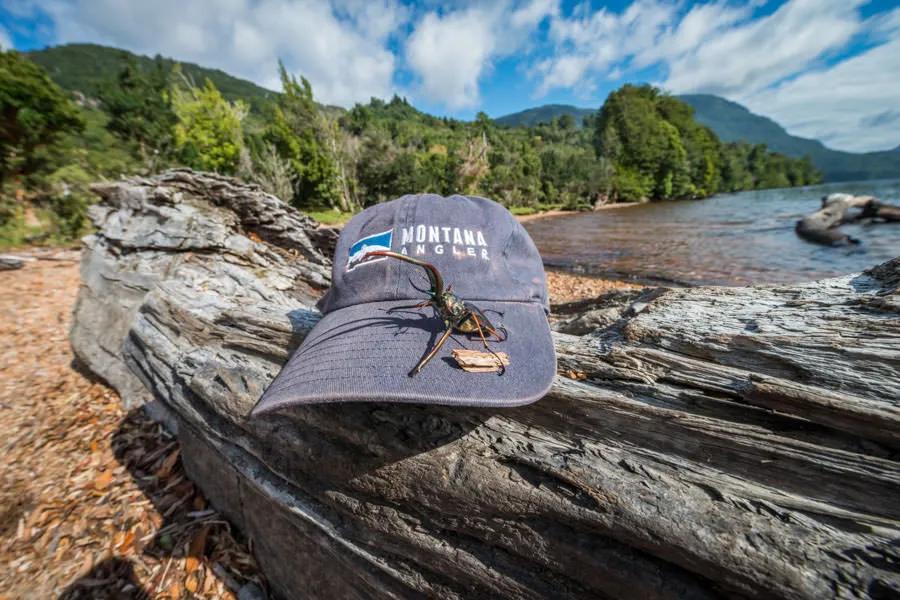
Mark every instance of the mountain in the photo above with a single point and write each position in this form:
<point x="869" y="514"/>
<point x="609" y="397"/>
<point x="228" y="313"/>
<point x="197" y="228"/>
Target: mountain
<point x="733" y="122"/>
<point x="86" y="67"/>
<point x="544" y="114"/>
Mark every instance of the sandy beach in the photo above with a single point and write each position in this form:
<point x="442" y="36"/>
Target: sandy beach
<point x="559" y="213"/>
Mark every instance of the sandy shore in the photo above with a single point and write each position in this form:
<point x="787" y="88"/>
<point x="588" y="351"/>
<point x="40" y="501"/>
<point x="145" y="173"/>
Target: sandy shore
<point x="558" y="213"/>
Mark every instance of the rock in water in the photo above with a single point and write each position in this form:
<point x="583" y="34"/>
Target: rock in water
<point x="706" y="442"/>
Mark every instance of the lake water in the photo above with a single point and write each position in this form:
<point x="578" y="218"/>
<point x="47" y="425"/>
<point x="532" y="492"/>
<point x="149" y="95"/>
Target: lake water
<point x="730" y="239"/>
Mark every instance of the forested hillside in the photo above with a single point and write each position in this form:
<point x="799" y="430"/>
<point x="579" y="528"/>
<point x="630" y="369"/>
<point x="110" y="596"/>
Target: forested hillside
<point x="544" y="114"/>
<point x="88" y="68"/>
<point x="732" y="122"/>
<point x="660" y="151"/>
<point x="150" y="114"/>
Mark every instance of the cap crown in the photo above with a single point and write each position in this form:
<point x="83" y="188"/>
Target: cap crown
<point x="476" y="244"/>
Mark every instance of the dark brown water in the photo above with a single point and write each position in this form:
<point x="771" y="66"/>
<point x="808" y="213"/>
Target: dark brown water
<point x="731" y="239"/>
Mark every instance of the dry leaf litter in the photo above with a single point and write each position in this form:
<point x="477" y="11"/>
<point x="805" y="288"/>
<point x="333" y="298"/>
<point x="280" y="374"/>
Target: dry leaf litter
<point x="94" y="502"/>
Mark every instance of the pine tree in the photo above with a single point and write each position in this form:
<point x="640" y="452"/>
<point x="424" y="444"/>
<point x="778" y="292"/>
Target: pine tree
<point x="295" y="132"/>
<point x="34" y="112"/>
<point x="140" y="111"/>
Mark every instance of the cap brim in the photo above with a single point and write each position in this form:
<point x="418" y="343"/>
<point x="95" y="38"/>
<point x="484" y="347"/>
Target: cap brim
<point x="365" y="352"/>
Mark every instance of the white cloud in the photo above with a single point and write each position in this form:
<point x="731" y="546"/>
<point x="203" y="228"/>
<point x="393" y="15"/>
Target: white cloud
<point x="762" y="52"/>
<point x="780" y="64"/>
<point x="774" y="64"/>
<point x="590" y="44"/>
<point x="701" y="23"/>
<point x="341" y="47"/>
<point x="854" y="105"/>
<point x="716" y="48"/>
<point x="450" y="53"/>
<point x="5" y="39"/>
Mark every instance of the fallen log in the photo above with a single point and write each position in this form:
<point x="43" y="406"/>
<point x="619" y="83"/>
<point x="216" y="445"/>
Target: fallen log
<point x="11" y="263"/>
<point x="698" y="443"/>
<point x="819" y="227"/>
<point x="880" y="211"/>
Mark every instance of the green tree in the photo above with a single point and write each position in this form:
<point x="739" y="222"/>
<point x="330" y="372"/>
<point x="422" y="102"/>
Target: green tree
<point x="34" y="112"/>
<point x="208" y="134"/>
<point x="647" y="150"/>
<point x="140" y="111"/>
<point x="295" y="131"/>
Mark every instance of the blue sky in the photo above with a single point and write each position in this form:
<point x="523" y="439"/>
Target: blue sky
<point x="826" y="69"/>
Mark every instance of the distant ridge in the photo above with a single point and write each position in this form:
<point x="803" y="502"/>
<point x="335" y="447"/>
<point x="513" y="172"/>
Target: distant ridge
<point x="86" y="67"/>
<point x="733" y="123"/>
<point x="544" y="114"/>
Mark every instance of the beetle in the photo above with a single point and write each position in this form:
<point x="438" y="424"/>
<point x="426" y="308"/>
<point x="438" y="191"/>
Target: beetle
<point x="457" y="314"/>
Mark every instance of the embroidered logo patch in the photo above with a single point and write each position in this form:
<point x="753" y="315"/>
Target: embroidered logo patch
<point x="376" y="241"/>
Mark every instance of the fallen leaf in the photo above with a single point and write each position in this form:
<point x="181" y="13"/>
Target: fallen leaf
<point x="209" y="582"/>
<point x="103" y="480"/>
<point x="166" y="469"/>
<point x="191" y="584"/>
<point x="174" y="590"/>
<point x="196" y="549"/>
<point x="88" y="563"/>
<point x="126" y="543"/>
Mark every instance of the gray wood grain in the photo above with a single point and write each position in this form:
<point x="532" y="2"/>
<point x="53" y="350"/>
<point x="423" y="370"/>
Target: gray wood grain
<point x="698" y="443"/>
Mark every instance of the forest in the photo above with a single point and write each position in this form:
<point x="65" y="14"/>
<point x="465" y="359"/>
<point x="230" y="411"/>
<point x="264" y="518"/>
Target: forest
<point x="641" y="145"/>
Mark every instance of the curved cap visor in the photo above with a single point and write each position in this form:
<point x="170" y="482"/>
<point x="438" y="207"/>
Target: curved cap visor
<point x="365" y="352"/>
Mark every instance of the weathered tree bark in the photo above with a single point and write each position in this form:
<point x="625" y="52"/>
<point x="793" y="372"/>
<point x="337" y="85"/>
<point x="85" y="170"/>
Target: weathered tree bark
<point x="698" y="443"/>
<point x="820" y="226"/>
<point x="881" y="212"/>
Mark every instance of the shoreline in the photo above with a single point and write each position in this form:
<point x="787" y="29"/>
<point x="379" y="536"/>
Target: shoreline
<point x="566" y="287"/>
<point x="520" y="218"/>
<point x="562" y="213"/>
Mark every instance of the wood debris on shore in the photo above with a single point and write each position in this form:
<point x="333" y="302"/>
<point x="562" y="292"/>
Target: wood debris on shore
<point x="94" y="502"/>
<point x="568" y="287"/>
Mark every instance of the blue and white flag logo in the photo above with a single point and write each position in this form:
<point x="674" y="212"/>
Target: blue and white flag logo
<point x="376" y="241"/>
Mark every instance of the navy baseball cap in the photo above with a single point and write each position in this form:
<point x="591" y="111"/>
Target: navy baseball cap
<point x="366" y="344"/>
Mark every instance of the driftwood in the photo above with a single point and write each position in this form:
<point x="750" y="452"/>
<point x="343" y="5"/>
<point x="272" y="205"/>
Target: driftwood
<point x="700" y="443"/>
<point x="820" y="226"/>
<point x="879" y="211"/>
<point x="11" y="263"/>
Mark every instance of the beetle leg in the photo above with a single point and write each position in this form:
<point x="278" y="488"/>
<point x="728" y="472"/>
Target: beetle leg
<point x="491" y="331"/>
<point x="422" y="304"/>
<point x="431" y="354"/>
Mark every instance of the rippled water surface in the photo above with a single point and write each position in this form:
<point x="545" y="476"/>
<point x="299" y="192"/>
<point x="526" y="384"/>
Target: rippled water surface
<point x="730" y="239"/>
